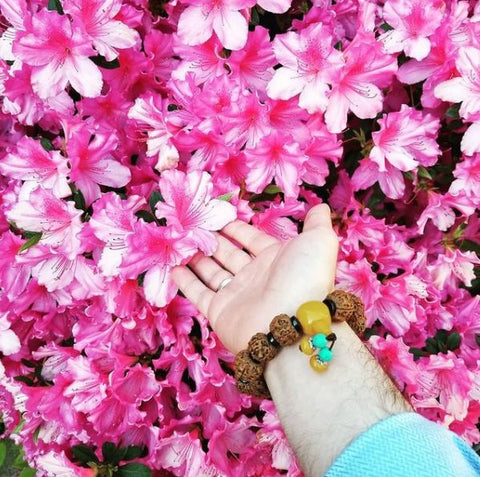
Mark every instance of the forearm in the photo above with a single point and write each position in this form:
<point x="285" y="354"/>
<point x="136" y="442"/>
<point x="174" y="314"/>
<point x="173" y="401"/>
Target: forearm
<point x="323" y="412"/>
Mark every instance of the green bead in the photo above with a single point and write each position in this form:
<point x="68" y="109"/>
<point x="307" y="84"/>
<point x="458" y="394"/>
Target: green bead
<point x="325" y="355"/>
<point x="319" y="340"/>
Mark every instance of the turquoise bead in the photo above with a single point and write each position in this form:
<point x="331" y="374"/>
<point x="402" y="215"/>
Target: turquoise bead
<point x="319" y="340"/>
<point x="325" y="355"/>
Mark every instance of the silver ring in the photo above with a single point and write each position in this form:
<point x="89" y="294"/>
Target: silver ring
<point x="224" y="283"/>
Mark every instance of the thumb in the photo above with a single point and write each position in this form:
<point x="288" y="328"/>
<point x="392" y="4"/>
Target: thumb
<point x="318" y="217"/>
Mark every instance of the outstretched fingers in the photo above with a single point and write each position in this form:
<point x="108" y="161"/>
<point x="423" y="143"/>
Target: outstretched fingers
<point x="252" y="239"/>
<point x="193" y="289"/>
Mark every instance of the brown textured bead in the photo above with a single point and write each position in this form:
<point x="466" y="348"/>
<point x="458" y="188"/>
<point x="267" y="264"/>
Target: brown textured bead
<point x="261" y="349"/>
<point x="245" y="369"/>
<point x="357" y="320"/>
<point x="283" y="331"/>
<point x="345" y="305"/>
<point x="255" y="388"/>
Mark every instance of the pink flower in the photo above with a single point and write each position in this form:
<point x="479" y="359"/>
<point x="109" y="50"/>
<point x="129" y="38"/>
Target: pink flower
<point x="97" y="18"/>
<point x="466" y="87"/>
<point x="188" y="205"/>
<point x="17" y="14"/>
<point x="406" y="139"/>
<point x="92" y="162"/>
<point x="441" y="214"/>
<point x="156" y="250"/>
<point x="358" y="85"/>
<point x="13" y="276"/>
<point x="112" y="221"/>
<point x="54" y="464"/>
<point x="413" y="21"/>
<point x="396" y="360"/>
<point x="446" y="378"/>
<point x="197" y="23"/>
<point x="204" y="61"/>
<point x="390" y="180"/>
<point x="467" y="177"/>
<point x="31" y="162"/>
<point x="9" y="342"/>
<point x="60" y="54"/>
<point x="253" y="64"/>
<point x="277" y="156"/>
<point x="149" y="113"/>
<point x="309" y="66"/>
<point x="59" y="221"/>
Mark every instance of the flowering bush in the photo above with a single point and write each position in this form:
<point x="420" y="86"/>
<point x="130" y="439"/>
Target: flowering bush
<point x="133" y="129"/>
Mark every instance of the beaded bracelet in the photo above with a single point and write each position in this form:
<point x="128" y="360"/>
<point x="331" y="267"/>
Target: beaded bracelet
<point x="312" y="319"/>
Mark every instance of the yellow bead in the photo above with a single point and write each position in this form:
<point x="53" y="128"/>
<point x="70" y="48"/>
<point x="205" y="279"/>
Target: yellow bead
<point x="305" y="345"/>
<point x="317" y="366"/>
<point x="314" y="316"/>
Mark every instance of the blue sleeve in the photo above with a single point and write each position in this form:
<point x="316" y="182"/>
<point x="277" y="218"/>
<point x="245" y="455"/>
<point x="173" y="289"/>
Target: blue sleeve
<point x="406" y="445"/>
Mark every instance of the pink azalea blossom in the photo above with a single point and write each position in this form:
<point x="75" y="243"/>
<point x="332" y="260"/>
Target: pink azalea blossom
<point x="31" y="162"/>
<point x="464" y="88"/>
<point x="9" y="342"/>
<point x="358" y="86"/>
<point x="309" y="66"/>
<point x="112" y="221"/>
<point x="58" y="221"/>
<point x="97" y="18"/>
<point x="189" y="206"/>
<point x="149" y="115"/>
<point x="413" y="22"/>
<point x="60" y="54"/>
<point x="275" y="157"/>
<point x="16" y="12"/>
<point x="406" y="139"/>
<point x="156" y="250"/>
<point x="198" y="22"/>
<point x="92" y="162"/>
<point x="467" y="177"/>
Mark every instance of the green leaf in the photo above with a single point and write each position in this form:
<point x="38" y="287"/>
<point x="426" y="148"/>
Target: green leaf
<point x="422" y="172"/>
<point x="417" y="353"/>
<point x="226" y="197"/>
<point x="145" y="216"/>
<point x="155" y="197"/>
<point x="453" y="111"/>
<point x="272" y="189"/>
<point x="3" y="452"/>
<point x="453" y="341"/>
<point x="79" y="200"/>
<point x="477" y="339"/>
<point x="103" y="63"/>
<point x="254" y="17"/>
<point x="133" y="470"/>
<point x="108" y="451"/>
<point x="46" y="144"/>
<point x="27" y="472"/>
<point x="55" y="5"/>
<point x="33" y="240"/>
<point x="470" y="245"/>
<point x="84" y="454"/>
<point x="134" y="452"/>
<point x="431" y="346"/>
<point x="386" y="27"/>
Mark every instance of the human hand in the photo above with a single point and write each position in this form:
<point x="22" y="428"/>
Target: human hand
<point x="274" y="277"/>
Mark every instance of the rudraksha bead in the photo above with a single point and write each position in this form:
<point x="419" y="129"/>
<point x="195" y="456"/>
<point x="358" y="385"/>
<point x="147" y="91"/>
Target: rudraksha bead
<point x="246" y="369"/>
<point x="261" y="349"/>
<point x="357" y="320"/>
<point x="255" y="388"/>
<point x="283" y="331"/>
<point x="346" y="304"/>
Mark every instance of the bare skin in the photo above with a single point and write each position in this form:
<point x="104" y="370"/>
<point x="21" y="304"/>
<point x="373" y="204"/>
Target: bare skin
<point x="276" y="277"/>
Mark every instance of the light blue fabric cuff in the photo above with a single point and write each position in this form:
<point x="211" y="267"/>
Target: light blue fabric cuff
<point x="406" y="445"/>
